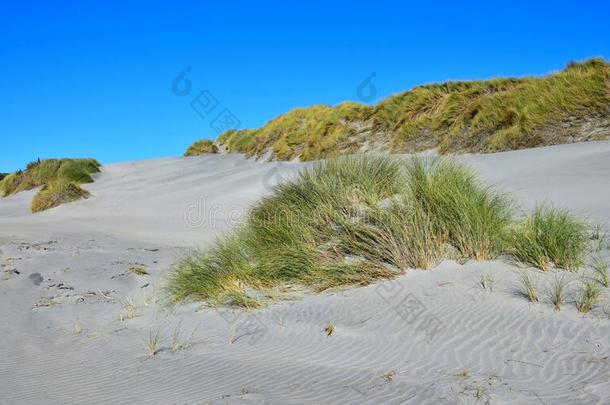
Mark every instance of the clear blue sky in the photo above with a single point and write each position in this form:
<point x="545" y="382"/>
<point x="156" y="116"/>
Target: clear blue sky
<point x="82" y="80"/>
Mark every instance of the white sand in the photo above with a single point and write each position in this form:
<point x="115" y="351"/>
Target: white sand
<point x="408" y="340"/>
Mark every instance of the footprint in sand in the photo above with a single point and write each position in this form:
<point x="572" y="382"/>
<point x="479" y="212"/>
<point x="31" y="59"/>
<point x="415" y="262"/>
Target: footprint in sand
<point x="36" y="278"/>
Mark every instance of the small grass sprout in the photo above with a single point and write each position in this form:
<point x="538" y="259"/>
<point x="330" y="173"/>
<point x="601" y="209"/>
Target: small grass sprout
<point x="600" y="271"/>
<point x="178" y="341"/>
<point x="129" y="308"/>
<point x="558" y="290"/>
<point x="529" y="285"/>
<point x="589" y="296"/>
<point x="153" y="341"/>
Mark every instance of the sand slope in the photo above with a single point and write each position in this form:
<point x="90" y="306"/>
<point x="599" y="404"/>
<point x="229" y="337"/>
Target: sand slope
<point x="426" y="337"/>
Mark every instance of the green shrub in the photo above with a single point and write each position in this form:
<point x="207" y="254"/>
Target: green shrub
<point x="551" y="236"/>
<point x="201" y="147"/>
<point x="57" y="192"/>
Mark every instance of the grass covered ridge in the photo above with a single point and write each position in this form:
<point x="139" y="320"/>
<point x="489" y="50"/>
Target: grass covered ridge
<point x="469" y="116"/>
<point x="60" y="179"/>
<point x="353" y="220"/>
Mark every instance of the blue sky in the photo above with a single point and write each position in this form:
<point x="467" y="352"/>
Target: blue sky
<point x="92" y="80"/>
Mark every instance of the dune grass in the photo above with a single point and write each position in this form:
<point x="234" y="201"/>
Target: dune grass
<point x="298" y="235"/>
<point x="42" y="172"/>
<point x="529" y="285"/>
<point x="348" y="221"/>
<point x="600" y="271"/>
<point x="474" y="116"/>
<point x="558" y="291"/>
<point x="473" y="216"/>
<point x="305" y="133"/>
<point x="201" y="147"/>
<point x="216" y="275"/>
<point x="153" y="341"/>
<point x="589" y="296"/>
<point x="57" y="192"/>
<point x="60" y="180"/>
<point x="551" y="236"/>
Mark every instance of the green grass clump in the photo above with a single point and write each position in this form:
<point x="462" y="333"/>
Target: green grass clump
<point x="551" y="236"/>
<point x="60" y="179"/>
<point x="529" y="286"/>
<point x="305" y="133"/>
<point x="473" y="216"/>
<point x="201" y="147"/>
<point x="296" y="236"/>
<point x="402" y="235"/>
<point x="344" y="222"/>
<point x="467" y="116"/>
<point x="214" y="274"/>
<point x="57" y="192"/>
<point x="352" y="220"/>
<point x="237" y="141"/>
<point x="41" y="172"/>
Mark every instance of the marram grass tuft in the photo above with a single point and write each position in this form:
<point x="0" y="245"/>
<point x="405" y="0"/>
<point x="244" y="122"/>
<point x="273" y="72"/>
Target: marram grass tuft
<point x="347" y="222"/>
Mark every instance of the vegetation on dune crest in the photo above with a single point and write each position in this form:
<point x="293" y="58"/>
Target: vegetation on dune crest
<point x="470" y="116"/>
<point x="349" y="221"/>
<point x="201" y="147"/>
<point x="42" y="172"/>
<point x="60" y="179"/>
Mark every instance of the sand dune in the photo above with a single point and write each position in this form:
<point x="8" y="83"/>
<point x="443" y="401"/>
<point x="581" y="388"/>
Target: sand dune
<point x="425" y="337"/>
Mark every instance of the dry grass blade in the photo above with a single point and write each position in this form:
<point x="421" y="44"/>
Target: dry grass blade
<point x="329" y="329"/>
<point x="138" y="270"/>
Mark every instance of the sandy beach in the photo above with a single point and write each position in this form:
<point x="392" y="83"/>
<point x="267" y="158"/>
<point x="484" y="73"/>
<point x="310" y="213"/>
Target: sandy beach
<point x="75" y="314"/>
